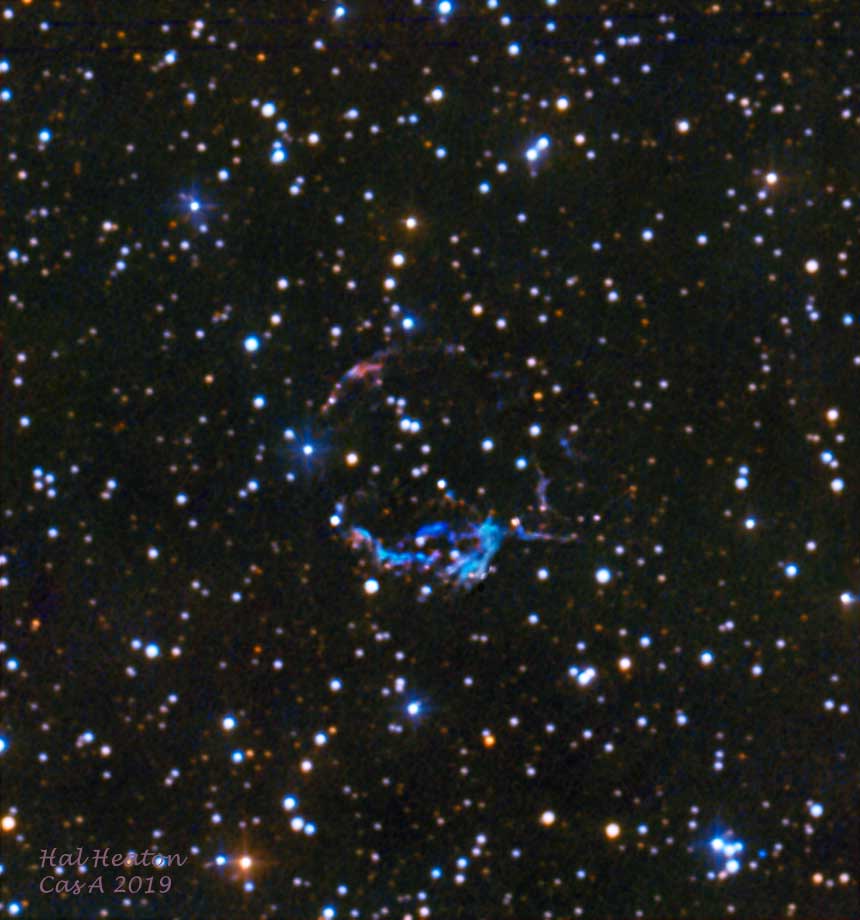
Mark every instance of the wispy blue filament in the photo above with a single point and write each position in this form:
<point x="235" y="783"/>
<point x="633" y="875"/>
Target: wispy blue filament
<point x="460" y="557"/>
<point x="472" y="566"/>
<point x="463" y="559"/>
<point x="437" y="529"/>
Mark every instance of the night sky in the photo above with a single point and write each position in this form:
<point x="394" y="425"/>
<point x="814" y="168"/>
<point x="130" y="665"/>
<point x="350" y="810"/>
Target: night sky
<point x="429" y="466"/>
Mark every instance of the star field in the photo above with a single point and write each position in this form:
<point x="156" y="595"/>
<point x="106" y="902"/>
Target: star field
<point x="430" y="461"/>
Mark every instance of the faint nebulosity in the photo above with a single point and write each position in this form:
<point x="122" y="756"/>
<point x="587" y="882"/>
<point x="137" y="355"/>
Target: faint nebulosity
<point x="430" y="461"/>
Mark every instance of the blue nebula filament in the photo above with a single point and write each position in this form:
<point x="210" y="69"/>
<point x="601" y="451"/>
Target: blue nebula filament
<point x="460" y="557"/>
